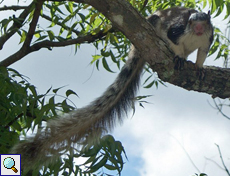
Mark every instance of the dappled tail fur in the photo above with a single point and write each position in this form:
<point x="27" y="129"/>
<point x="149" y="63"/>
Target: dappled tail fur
<point x="86" y="124"/>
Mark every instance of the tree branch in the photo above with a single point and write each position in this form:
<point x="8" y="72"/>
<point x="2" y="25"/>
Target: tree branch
<point x="33" y="24"/>
<point x="220" y="110"/>
<point x="16" y="25"/>
<point x="216" y="81"/>
<point x="222" y="160"/>
<point x="49" y="44"/>
<point x="214" y="163"/>
<point x="14" y="8"/>
<point x="25" y="49"/>
<point x="60" y="24"/>
<point x="84" y="39"/>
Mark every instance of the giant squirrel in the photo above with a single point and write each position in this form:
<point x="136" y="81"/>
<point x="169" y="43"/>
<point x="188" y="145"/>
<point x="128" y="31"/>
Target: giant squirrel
<point x="185" y="30"/>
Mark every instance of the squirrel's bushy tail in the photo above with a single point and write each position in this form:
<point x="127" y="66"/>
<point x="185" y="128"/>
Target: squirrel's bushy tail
<point x="84" y="124"/>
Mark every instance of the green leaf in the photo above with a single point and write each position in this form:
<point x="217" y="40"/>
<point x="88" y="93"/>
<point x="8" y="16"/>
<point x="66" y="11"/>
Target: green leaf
<point x="106" y="66"/>
<point x="113" y="38"/>
<point x="69" y="7"/>
<point x="61" y="31"/>
<point x="82" y="17"/>
<point x="90" y="152"/>
<point x="90" y="160"/>
<point x="37" y="35"/>
<point x="65" y="106"/>
<point x="51" y="35"/>
<point x="4" y="23"/>
<point x="48" y="91"/>
<point x="110" y="167"/>
<point x="97" y="64"/>
<point x="146" y="80"/>
<point x="95" y="58"/>
<point x="60" y="39"/>
<point x="92" y="18"/>
<point x="204" y="4"/>
<point x="7" y="139"/>
<point x="70" y="92"/>
<point x="52" y="101"/>
<point x="99" y="165"/>
<point x="23" y="36"/>
<point x="41" y="38"/>
<point x="203" y="174"/>
<point x="17" y="126"/>
<point x="105" y="53"/>
<point x="150" y="85"/>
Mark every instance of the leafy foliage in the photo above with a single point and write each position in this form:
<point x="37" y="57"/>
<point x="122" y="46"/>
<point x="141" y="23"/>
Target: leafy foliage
<point x="108" y="154"/>
<point x="22" y="108"/>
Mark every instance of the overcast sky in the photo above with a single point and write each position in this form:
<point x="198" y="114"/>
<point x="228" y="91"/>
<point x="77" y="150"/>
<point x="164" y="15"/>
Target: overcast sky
<point x="155" y="136"/>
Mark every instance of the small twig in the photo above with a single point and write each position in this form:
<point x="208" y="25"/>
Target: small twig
<point x="186" y="153"/>
<point x="14" y="120"/>
<point x="214" y="163"/>
<point x="60" y="24"/>
<point x="220" y="110"/>
<point x="144" y="5"/>
<point x="14" y="8"/>
<point x="222" y="160"/>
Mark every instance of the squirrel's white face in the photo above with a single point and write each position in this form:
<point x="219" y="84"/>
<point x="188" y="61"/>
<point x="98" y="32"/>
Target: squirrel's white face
<point x="198" y="27"/>
<point x="199" y="23"/>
